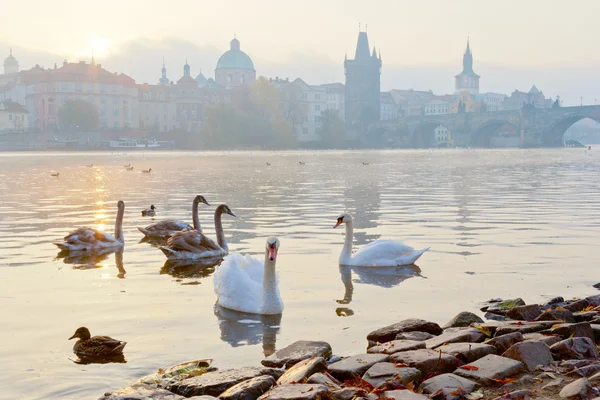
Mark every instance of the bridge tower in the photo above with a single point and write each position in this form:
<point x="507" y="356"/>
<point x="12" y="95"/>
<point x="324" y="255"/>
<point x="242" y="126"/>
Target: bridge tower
<point x="363" y="85"/>
<point x="467" y="80"/>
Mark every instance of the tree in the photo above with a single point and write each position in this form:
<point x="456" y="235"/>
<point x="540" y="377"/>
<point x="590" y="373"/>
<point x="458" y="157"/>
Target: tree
<point x="333" y="129"/>
<point x="78" y="115"/>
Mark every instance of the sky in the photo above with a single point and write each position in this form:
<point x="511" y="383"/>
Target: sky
<point x="551" y="43"/>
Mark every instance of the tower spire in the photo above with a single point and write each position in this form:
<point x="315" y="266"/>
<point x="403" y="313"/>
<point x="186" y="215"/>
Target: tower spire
<point x="93" y="61"/>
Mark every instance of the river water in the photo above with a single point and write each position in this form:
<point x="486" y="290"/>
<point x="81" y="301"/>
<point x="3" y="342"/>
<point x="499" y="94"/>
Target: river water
<point x="500" y="223"/>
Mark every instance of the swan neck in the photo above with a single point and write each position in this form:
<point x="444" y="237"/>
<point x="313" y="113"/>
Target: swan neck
<point x="119" y="225"/>
<point x="219" y="230"/>
<point x="347" y="250"/>
<point x="270" y="292"/>
<point x="195" y="217"/>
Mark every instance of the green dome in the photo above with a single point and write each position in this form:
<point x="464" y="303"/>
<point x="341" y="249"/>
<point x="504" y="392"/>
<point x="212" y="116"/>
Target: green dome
<point x="235" y="58"/>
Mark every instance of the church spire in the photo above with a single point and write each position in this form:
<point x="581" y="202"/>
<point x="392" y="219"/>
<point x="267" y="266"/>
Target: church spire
<point x="186" y="69"/>
<point x="163" y="79"/>
<point x="468" y="59"/>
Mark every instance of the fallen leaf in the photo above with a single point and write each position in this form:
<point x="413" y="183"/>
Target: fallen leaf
<point x="469" y="367"/>
<point x="504" y="381"/>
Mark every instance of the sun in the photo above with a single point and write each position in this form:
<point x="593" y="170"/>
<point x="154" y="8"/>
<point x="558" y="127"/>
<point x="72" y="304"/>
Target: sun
<point x="99" y="46"/>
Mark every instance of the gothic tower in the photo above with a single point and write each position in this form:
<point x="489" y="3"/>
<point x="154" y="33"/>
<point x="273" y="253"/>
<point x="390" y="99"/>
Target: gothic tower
<point x="163" y="79"/>
<point x="363" y="84"/>
<point x="467" y="80"/>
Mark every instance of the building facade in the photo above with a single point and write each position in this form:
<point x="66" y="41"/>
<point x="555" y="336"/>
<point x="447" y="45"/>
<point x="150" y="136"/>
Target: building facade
<point x="363" y="85"/>
<point x="389" y="110"/>
<point x="436" y="107"/>
<point x="467" y="80"/>
<point x="235" y="68"/>
<point x="13" y="118"/>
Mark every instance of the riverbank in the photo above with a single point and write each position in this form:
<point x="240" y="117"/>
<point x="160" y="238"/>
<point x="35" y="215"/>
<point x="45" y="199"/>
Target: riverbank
<point x="523" y="350"/>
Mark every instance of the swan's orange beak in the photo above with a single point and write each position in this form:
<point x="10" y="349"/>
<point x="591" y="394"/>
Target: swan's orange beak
<point x="272" y="253"/>
<point x="339" y="222"/>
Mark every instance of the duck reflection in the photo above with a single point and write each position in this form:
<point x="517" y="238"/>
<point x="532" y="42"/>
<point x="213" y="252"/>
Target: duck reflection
<point x="119" y="359"/>
<point x="153" y="241"/>
<point x="190" y="269"/>
<point x="92" y="260"/>
<point x="243" y="329"/>
<point x="386" y="277"/>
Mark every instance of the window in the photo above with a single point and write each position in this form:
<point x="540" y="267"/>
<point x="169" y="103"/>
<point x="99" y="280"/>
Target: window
<point x="304" y="96"/>
<point x="318" y="131"/>
<point x="317" y="118"/>
<point x="115" y="125"/>
<point x="115" y="101"/>
<point x="317" y="96"/>
<point x="102" y="100"/>
<point x="78" y="87"/>
<point x="103" y="111"/>
<point x="317" y="107"/>
<point x="102" y="89"/>
<point x="114" y="89"/>
<point x="305" y="119"/>
<point x="243" y="79"/>
<point x="305" y="131"/>
<point x="64" y="86"/>
<point x="10" y="117"/>
<point x="229" y="78"/>
<point x="90" y="88"/>
<point x="116" y="112"/>
<point x="91" y="99"/>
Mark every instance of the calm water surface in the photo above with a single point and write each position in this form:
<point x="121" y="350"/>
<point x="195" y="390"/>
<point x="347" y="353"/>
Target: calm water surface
<point x="499" y="223"/>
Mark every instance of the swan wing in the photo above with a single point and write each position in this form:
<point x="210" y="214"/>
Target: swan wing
<point x="238" y="283"/>
<point x="168" y="225"/>
<point x="386" y="253"/>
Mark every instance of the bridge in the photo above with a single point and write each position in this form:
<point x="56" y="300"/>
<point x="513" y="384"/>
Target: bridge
<point x="532" y="127"/>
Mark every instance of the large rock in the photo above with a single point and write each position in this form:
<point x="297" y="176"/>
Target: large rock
<point x="403" y="395"/>
<point x="302" y="370"/>
<point x="502" y="343"/>
<point x="427" y="361"/>
<point x="579" y="348"/>
<point x="325" y="379"/>
<point x="141" y="391"/>
<point x="504" y="306"/>
<point x="390" y="372"/>
<point x="353" y="366"/>
<point x="297" y="392"/>
<point x="531" y="354"/>
<point x="395" y="346"/>
<point x="524" y="327"/>
<point x="418" y="336"/>
<point x="349" y="393"/>
<point x="525" y="313"/>
<point x="596" y="330"/>
<point x="557" y="314"/>
<point x="215" y="383"/>
<point x="449" y="384"/>
<point x="491" y="367"/>
<point x="540" y="337"/>
<point x="389" y="332"/>
<point x="580" y="389"/>
<point x="297" y="352"/>
<point x="580" y="329"/>
<point x="456" y="335"/>
<point x="468" y="352"/>
<point x="577" y="305"/>
<point x="585" y="316"/>
<point x="587" y="370"/>
<point x="522" y="394"/>
<point x="594" y="301"/>
<point x="251" y="389"/>
<point x="463" y="319"/>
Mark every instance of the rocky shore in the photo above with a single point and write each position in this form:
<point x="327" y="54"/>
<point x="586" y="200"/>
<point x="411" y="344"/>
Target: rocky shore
<point x="538" y="351"/>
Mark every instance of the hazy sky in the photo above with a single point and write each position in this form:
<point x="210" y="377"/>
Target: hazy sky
<point x="515" y="43"/>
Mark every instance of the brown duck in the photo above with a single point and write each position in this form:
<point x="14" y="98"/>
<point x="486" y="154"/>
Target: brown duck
<point x="96" y="346"/>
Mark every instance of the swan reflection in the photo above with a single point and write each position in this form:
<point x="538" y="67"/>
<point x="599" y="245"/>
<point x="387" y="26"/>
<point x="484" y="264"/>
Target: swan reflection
<point x="243" y="329"/>
<point x="190" y="268"/>
<point x="386" y="277"/>
<point x="92" y="260"/>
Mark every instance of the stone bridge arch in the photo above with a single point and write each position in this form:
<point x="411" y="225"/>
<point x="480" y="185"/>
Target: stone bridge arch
<point x="482" y="135"/>
<point x="423" y="135"/>
<point x="553" y="137"/>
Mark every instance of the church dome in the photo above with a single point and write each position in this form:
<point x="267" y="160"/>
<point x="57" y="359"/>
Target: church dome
<point x="11" y="61"/>
<point x="235" y="58"/>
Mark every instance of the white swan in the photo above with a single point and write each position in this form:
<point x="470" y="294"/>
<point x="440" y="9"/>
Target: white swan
<point x="245" y="284"/>
<point x="165" y="229"/>
<point x="89" y="239"/>
<point x="194" y="244"/>
<point x="380" y="253"/>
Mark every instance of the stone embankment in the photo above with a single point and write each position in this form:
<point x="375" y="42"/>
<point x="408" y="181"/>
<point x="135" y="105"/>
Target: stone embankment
<point x="525" y="351"/>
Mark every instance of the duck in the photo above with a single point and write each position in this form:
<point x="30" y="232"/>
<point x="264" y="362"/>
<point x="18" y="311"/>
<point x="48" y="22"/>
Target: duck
<point x="193" y="244"/>
<point x="164" y="229"/>
<point x="243" y="283"/>
<point x="149" y="212"/>
<point x="268" y="164"/>
<point x="56" y="174"/>
<point x="90" y="166"/>
<point x="89" y="346"/>
<point x="379" y="253"/>
<point x="89" y="239"/>
<point x="147" y="171"/>
<point x="129" y="168"/>
<point x="301" y="162"/>
<point x="365" y="163"/>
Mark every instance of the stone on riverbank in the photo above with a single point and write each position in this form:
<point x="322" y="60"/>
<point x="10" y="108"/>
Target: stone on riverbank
<point x="403" y="395"/>
<point x="578" y="348"/>
<point x="539" y="337"/>
<point x="215" y="383"/>
<point x="577" y="305"/>
<point x="531" y="354"/>
<point x="141" y="391"/>
<point x="468" y="352"/>
<point x="396" y="346"/>
<point x="456" y="335"/>
<point x="448" y="384"/>
<point x="490" y="367"/>
<point x="524" y="327"/>
<point x="416" y="335"/>
<point x="524" y="313"/>
<point x="503" y="343"/>
<point x="580" y="329"/>
<point x="517" y="394"/>
<point x="389" y="332"/>
<point x="251" y="389"/>
<point x="587" y="370"/>
<point x="581" y="389"/>
<point x="353" y="366"/>
<point x="463" y="319"/>
<point x="556" y="314"/>
<point x="296" y="392"/>
<point x="388" y="372"/>
<point x="427" y="361"/>
<point x="296" y="352"/>
<point x="302" y="370"/>
<point x="349" y="393"/>
<point x="325" y="379"/>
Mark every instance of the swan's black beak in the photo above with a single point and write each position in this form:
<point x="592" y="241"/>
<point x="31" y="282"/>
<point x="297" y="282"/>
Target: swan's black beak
<point x="232" y="214"/>
<point x="206" y="202"/>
